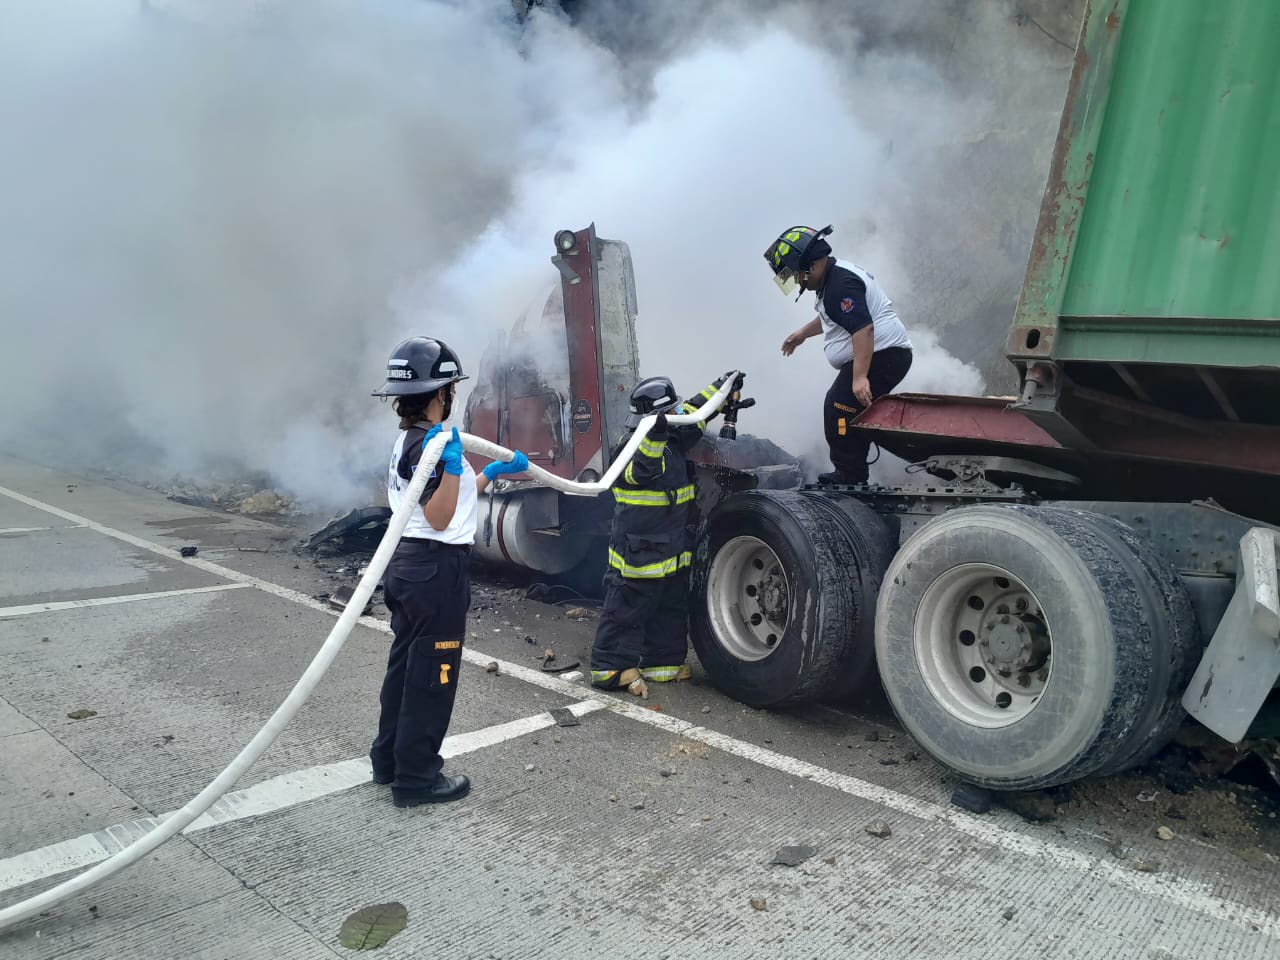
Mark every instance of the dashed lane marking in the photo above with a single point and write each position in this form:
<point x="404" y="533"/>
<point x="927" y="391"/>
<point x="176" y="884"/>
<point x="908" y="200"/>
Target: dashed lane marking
<point x="7" y="613"/>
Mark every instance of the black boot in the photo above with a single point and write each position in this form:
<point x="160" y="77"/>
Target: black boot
<point x="445" y="788"/>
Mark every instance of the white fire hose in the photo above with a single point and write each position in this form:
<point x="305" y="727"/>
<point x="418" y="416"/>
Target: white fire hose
<point x="333" y="644"/>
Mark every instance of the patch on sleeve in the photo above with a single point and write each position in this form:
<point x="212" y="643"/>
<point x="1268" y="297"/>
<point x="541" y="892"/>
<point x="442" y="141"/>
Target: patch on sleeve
<point x="846" y="305"/>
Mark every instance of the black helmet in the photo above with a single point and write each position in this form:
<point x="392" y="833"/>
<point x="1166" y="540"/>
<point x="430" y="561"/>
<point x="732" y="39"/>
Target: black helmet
<point x="651" y="395"/>
<point x="793" y="252"/>
<point x="420" y="365"/>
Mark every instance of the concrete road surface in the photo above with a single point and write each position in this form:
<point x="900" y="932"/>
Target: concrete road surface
<point x="638" y="832"/>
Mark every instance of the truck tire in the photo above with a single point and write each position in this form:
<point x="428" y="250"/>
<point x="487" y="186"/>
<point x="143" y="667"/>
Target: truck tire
<point x="1179" y="646"/>
<point x="874" y="544"/>
<point x="1022" y="646"/>
<point x="782" y="595"/>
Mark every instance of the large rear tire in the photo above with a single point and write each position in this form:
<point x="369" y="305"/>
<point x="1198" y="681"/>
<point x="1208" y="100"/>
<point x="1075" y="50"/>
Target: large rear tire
<point x="1024" y="647"/>
<point x="783" y="595"/>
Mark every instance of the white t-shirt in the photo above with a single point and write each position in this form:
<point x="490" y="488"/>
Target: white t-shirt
<point x="851" y="299"/>
<point x="404" y="459"/>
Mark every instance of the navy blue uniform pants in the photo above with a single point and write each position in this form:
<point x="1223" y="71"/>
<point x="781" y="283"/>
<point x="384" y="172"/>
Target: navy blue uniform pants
<point x="428" y="591"/>
<point x="644" y="623"/>
<point x="850" y="446"/>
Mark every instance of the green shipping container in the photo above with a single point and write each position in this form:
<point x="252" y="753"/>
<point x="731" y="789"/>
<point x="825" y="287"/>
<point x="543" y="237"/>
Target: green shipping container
<point x="1155" y="270"/>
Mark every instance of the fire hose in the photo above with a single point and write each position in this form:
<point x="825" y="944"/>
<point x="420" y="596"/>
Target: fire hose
<point x="332" y="645"/>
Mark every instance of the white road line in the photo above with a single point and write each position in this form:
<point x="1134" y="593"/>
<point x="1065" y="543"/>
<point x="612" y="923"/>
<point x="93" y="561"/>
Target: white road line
<point x="5" y="530"/>
<point x="1180" y="891"/>
<point x="8" y="612"/>
<point x="276" y="793"/>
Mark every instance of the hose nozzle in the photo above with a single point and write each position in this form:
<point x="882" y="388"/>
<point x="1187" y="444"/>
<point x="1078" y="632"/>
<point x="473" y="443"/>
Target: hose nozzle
<point x="729" y="429"/>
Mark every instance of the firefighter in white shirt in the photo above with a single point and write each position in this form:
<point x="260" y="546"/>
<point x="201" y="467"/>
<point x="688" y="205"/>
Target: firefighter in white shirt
<point x="862" y="336"/>
<point x="427" y="584"/>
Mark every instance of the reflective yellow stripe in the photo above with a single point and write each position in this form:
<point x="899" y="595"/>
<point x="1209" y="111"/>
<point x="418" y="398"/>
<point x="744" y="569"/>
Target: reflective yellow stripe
<point x="659" y="674"/>
<point x="603" y="676"/>
<point x="628" y="475"/>
<point x="652" y="449"/>
<point x="649" y="571"/>
<point x="654" y="498"/>
<point x="641" y="498"/>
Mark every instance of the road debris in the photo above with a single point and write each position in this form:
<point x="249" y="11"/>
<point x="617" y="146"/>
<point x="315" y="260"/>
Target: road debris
<point x="792" y="856"/>
<point x="706" y="709"/>
<point x="1034" y="807"/>
<point x="360" y="528"/>
<point x="529" y="768"/>
<point x="1146" y="866"/>
<point x="188" y="551"/>
<point x="578" y="613"/>
<point x="638" y="804"/>
<point x="759" y="903"/>
<point x="564" y="717"/>
<point x="1164" y="833"/>
<point x="551" y="665"/>
<point x="82" y="714"/>
<point x="1009" y="913"/>
<point x="263" y="502"/>
<point x="340" y="597"/>
<point x="972" y="798"/>
<point x="491" y="667"/>
<point x="879" y="829"/>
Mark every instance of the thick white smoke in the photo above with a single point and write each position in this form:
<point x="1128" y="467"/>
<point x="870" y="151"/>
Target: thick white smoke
<point x="220" y="222"/>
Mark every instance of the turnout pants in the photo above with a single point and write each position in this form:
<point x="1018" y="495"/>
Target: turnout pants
<point x="428" y="591"/>
<point x="644" y="623"/>
<point x="849" y="446"/>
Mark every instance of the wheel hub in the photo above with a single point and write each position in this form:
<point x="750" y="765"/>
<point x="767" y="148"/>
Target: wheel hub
<point x="772" y="597"/>
<point x="984" y="644"/>
<point x="748" y="598"/>
<point x="1014" y="643"/>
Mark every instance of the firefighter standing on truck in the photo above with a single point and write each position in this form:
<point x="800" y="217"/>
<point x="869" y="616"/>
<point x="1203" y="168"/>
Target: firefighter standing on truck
<point x="427" y="585"/>
<point x="643" y="633"/>
<point x="862" y="336"/>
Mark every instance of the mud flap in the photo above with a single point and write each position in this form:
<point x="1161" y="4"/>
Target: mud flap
<point x="1242" y="662"/>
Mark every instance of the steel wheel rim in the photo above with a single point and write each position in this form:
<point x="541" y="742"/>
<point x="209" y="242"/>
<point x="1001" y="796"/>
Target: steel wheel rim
<point x="748" y="598"/>
<point x="983" y="645"/>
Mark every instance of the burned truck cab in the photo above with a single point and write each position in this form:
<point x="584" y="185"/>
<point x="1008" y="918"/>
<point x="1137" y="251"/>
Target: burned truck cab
<point x="556" y="385"/>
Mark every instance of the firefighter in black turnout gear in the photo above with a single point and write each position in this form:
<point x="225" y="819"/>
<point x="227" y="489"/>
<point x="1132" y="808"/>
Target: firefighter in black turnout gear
<point x="427" y="585"/>
<point x="863" y="339"/>
<point x="643" y="632"/>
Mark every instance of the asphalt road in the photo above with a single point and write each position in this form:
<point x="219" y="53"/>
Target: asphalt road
<point x="129" y="677"/>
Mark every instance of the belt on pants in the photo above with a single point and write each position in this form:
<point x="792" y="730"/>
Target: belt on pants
<point x="431" y="545"/>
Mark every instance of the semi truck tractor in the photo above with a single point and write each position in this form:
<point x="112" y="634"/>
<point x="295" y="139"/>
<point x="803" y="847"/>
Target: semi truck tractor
<point x="1073" y="570"/>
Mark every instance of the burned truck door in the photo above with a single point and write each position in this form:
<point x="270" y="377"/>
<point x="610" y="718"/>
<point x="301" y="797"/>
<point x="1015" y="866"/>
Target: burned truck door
<point x="557" y="387"/>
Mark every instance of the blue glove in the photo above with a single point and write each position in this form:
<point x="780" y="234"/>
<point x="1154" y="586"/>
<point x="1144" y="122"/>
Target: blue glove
<point x="519" y="463"/>
<point x="451" y="458"/>
<point x="430" y="433"/>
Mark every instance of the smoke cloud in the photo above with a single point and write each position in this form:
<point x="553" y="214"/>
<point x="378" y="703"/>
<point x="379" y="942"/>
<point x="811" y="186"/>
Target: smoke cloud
<point x="223" y="216"/>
